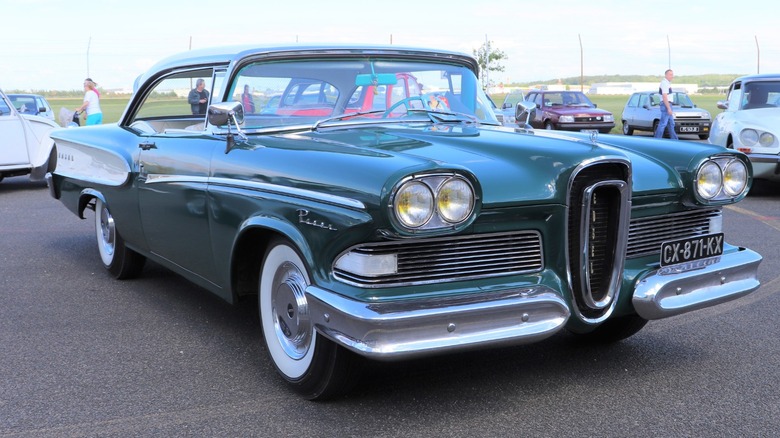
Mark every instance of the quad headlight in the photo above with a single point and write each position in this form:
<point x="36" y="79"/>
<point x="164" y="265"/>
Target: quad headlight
<point x="721" y="179"/>
<point x="431" y="202"/>
<point x="752" y="137"/>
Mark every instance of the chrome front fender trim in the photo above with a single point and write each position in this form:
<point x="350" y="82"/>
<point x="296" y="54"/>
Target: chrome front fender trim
<point x="411" y="328"/>
<point x="258" y="186"/>
<point x="669" y="291"/>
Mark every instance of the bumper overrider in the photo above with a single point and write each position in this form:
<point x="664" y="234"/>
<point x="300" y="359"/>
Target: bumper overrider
<point x="400" y="330"/>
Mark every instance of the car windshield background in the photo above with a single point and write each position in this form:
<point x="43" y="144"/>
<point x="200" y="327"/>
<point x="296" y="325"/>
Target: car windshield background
<point x="277" y="94"/>
<point x="764" y="94"/>
<point x="24" y="104"/>
<point x="567" y="98"/>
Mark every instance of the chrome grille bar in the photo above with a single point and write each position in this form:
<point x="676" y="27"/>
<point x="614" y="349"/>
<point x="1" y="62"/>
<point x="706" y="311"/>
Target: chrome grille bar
<point x="452" y="258"/>
<point x="646" y="234"/>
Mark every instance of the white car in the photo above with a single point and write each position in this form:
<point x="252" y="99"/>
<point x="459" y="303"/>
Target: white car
<point x="25" y="145"/>
<point x="751" y="122"/>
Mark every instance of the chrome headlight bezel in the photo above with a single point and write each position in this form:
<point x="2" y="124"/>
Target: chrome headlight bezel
<point x="721" y="179"/>
<point x="451" y="203"/>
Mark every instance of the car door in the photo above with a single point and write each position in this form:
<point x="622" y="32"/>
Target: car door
<point x="13" y="138"/>
<point x="173" y="172"/>
<point x="174" y="162"/>
<point x="646" y="112"/>
<point x="629" y="112"/>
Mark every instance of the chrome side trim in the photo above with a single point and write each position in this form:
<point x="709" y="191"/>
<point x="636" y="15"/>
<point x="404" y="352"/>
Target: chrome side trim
<point x="259" y="186"/>
<point x="412" y="328"/>
<point x="668" y="291"/>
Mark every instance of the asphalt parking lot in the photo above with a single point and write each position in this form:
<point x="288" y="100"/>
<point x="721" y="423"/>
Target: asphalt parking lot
<point x="85" y="355"/>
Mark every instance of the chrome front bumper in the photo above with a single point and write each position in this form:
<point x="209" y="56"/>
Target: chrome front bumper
<point x="399" y="330"/>
<point x="672" y="290"/>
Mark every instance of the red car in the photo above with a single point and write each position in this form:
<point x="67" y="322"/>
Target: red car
<point x="568" y="110"/>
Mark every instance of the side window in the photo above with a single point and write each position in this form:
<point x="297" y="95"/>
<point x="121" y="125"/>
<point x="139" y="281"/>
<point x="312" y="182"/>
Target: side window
<point x="4" y="109"/>
<point x="633" y="102"/>
<point x="179" y="95"/>
<point x="735" y="97"/>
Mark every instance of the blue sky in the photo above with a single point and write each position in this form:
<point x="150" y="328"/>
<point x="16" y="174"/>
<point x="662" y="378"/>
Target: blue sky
<point x="113" y="41"/>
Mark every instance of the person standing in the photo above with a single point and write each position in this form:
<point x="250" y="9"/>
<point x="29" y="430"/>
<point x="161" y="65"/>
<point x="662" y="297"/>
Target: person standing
<point x="198" y="97"/>
<point x="247" y="101"/>
<point x="667" y="116"/>
<point x="91" y="103"/>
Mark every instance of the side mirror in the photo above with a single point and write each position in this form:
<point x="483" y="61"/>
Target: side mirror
<point x="506" y="105"/>
<point x="226" y="113"/>
<point x="723" y="104"/>
<point x="230" y="114"/>
<point x="524" y="111"/>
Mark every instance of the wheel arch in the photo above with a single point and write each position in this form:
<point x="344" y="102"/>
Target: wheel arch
<point x="85" y="199"/>
<point x="250" y="248"/>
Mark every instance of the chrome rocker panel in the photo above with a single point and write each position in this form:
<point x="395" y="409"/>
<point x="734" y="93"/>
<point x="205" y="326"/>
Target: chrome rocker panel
<point x="667" y="292"/>
<point x="399" y="330"/>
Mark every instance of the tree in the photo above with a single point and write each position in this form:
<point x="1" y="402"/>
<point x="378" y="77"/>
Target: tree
<point x="489" y="59"/>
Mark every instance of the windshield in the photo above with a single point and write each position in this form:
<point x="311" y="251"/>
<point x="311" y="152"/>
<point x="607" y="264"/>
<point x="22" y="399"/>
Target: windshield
<point x="764" y="94"/>
<point x="677" y="99"/>
<point x="278" y="94"/>
<point x="567" y="98"/>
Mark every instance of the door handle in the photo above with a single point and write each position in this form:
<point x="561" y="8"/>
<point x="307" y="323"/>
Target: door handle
<point x="147" y="146"/>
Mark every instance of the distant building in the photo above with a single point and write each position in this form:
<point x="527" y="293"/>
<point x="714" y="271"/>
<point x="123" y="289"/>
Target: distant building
<point x="633" y="87"/>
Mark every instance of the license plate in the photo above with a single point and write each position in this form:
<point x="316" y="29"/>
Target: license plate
<point x="694" y="248"/>
<point x="689" y="129"/>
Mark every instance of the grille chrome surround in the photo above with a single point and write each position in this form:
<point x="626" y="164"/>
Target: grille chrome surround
<point x="646" y="234"/>
<point x="452" y="258"/>
<point x="599" y="207"/>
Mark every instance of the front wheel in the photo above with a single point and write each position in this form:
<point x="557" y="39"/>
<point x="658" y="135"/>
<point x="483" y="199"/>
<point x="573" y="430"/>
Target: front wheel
<point x="121" y="262"/>
<point x="548" y="125"/>
<point x="615" y="329"/>
<point x="311" y="364"/>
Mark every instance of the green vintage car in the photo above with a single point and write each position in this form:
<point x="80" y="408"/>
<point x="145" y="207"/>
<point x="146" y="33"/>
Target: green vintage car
<point x="369" y="200"/>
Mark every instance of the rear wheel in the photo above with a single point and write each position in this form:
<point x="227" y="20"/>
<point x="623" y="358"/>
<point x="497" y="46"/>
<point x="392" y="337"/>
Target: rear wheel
<point x="120" y="261"/>
<point x="311" y="364"/>
<point x="627" y="129"/>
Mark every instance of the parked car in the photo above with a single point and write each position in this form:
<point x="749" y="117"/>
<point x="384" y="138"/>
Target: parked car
<point x="25" y="145"/>
<point x="750" y="122"/>
<point x="374" y="219"/>
<point x="509" y="107"/>
<point x="643" y="112"/>
<point x="568" y="110"/>
<point x="33" y="104"/>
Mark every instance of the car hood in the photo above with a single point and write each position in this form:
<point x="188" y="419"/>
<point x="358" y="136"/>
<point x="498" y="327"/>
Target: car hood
<point x="511" y="168"/>
<point x="762" y="118"/>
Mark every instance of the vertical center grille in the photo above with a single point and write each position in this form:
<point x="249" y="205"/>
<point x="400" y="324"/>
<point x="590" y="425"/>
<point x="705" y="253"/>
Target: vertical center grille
<point x="599" y="208"/>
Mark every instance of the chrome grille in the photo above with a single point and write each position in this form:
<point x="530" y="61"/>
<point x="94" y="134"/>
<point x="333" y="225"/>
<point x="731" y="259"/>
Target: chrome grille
<point x="646" y="234"/>
<point x="453" y="258"/>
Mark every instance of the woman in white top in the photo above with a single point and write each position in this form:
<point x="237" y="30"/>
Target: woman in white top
<point x="91" y="103"/>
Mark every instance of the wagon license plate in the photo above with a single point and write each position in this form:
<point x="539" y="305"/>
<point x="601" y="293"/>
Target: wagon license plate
<point x="694" y="248"/>
<point x="689" y="129"/>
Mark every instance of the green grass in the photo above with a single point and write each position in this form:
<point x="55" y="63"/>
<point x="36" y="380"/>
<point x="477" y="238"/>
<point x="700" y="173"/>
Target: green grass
<point x="112" y="107"/>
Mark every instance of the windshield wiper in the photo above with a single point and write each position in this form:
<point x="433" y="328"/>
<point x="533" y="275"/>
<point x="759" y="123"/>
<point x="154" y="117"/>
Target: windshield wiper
<point x="344" y="117"/>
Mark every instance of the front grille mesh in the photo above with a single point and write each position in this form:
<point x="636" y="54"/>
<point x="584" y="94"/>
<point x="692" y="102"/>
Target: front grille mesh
<point x="453" y="258"/>
<point x="646" y="235"/>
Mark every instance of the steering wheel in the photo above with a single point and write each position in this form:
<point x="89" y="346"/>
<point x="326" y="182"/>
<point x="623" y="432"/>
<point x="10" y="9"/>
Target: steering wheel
<point x="402" y="102"/>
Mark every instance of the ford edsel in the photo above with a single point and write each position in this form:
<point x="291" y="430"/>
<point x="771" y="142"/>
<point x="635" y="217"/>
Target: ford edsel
<point x="370" y="202"/>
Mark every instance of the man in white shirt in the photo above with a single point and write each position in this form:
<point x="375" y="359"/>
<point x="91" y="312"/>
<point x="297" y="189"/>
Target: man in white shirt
<point x="667" y="116"/>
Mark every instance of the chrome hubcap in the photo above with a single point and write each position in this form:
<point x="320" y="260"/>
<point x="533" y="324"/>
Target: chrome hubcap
<point x="291" y="311"/>
<point x="107" y="231"/>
